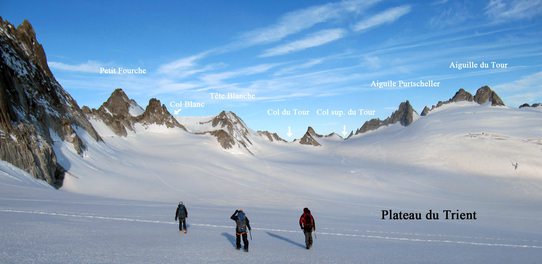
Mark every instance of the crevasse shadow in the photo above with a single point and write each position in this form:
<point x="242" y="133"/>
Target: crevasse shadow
<point x="286" y="239"/>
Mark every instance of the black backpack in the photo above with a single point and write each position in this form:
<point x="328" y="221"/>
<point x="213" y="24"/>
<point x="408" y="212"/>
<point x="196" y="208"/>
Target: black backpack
<point x="241" y="222"/>
<point x="182" y="211"/>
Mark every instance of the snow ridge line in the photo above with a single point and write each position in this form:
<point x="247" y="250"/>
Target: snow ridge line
<point x="408" y="239"/>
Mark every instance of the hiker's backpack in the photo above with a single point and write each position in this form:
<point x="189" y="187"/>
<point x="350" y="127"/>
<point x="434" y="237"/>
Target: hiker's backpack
<point x="182" y="211"/>
<point x="241" y="222"/>
<point x="308" y="222"/>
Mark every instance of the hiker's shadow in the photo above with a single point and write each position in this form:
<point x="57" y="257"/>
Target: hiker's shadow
<point x="230" y="238"/>
<point x="286" y="239"/>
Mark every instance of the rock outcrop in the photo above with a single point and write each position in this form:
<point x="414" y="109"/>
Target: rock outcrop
<point x="483" y="95"/>
<point x="157" y="113"/>
<point x="425" y="111"/>
<point x="404" y="115"/>
<point x="310" y="138"/>
<point x="230" y="131"/>
<point x="533" y="105"/>
<point x="35" y="111"/>
<point x="273" y="137"/>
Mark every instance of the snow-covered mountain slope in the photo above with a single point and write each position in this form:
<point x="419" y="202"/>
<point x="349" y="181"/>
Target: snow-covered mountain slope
<point x="230" y="131"/>
<point x="460" y="151"/>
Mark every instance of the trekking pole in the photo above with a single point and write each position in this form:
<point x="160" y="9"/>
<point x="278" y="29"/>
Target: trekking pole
<point x="250" y="232"/>
<point x="315" y="236"/>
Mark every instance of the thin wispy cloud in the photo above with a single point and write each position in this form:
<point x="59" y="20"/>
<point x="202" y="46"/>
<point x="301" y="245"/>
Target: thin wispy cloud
<point x="87" y="67"/>
<point x="299" y="20"/>
<point x="290" y="69"/>
<point x="313" y="40"/>
<point x="386" y="17"/>
<point x="525" y="82"/>
<point x="502" y="11"/>
<point x="182" y="65"/>
<point x="216" y="78"/>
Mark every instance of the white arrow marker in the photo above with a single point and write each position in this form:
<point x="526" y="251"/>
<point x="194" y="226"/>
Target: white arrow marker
<point x="176" y="112"/>
<point x="344" y="131"/>
<point x="289" y="134"/>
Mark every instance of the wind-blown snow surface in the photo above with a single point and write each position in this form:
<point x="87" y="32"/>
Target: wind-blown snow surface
<point x="458" y="157"/>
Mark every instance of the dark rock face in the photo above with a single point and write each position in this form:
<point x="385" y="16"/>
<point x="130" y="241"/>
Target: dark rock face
<point x="115" y="113"/>
<point x="404" y="115"/>
<point x="35" y="111"/>
<point x="225" y="140"/>
<point x="425" y="111"/>
<point x="533" y="105"/>
<point x="273" y="137"/>
<point x="372" y="124"/>
<point x="230" y="130"/>
<point x="485" y="94"/>
<point x="157" y="113"/>
<point x="310" y="138"/>
<point x="462" y="95"/>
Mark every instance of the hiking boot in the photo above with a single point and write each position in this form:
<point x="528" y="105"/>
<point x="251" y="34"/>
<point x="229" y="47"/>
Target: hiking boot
<point x="185" y="231"/>
<point x="246" y="249"/>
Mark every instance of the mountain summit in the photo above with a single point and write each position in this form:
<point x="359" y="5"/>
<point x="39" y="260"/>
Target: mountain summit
<point x="36" y="113"/>
<point x="404" y="115"/>
<point x="483" y="95"/>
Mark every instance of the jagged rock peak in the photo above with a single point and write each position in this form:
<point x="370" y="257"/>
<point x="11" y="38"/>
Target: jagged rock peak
<point x="425" y="111"/>
<point x="271" y="136"/>
<point x="157" y="113"/>
<point x="119" y="104"/>
<point x="405" y="114"/>
<point x="35" y="111"/>
<point x="311" y="131"/>
<point x="372" y="124"/>
<point x="462" y="95"/>
<point x="230" y="121"/>
<point x="310" y="138"/>
<point x="485" y="94"/>
<point x="26" y="40"/>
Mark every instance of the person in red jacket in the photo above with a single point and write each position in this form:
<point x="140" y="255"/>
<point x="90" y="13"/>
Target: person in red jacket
<point x="306" y="222"/>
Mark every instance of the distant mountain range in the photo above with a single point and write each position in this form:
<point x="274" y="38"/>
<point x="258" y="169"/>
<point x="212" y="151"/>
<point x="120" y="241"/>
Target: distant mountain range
<point x="36" y="113"/>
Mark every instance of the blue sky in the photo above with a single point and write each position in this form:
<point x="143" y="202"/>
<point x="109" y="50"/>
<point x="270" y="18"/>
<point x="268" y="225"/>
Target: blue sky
<point x="304" y="55"/>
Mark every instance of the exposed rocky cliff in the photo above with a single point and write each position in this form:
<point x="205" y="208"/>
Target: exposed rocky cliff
<point x="156" y="113"/>
<point x="483" y="95"/>
<point x="34" y="109"/>
<point x="273" y="137"/>
<point x="229" y="130"/>
<point x="118" y="112"/>
<point x="310" y="138"/>
<point x="404" y="115"/>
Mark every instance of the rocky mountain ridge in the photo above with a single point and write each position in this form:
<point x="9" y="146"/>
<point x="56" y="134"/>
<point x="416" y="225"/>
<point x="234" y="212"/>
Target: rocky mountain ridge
<point x="404" y="115"/>
<point x="35" y="111"/>
<point x="121" y="114"/>
<point x="483" y="95"/>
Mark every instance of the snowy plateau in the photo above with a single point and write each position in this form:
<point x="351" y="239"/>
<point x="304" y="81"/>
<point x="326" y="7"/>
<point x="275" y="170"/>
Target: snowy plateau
<point x="118" y="200"/>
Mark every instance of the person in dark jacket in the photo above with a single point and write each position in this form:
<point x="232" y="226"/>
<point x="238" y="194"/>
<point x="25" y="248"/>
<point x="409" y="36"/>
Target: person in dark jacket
<point x="181" y="214"/>
<point x="242" y="224"/>
<point x="306" y="222"/>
